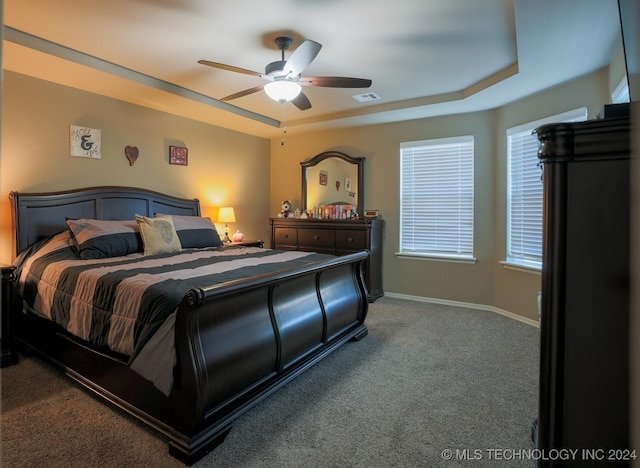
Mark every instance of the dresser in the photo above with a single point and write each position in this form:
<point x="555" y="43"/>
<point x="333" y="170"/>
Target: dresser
<point x="337" y="237"/>
<point x="584" y="325"/>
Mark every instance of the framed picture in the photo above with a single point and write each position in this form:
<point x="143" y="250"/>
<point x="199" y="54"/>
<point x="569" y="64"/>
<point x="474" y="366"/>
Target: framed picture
<point x="85" y="142"/>
<point x="324" y="178"/>
<point x="347" y="184"/>
<point x="178" y="155"/>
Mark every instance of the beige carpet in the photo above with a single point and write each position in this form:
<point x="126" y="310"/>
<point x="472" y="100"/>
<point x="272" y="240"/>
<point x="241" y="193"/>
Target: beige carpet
<point x="427" y="378"/>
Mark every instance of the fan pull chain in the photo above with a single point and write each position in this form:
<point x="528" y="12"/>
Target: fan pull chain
<point x="284" y="123"/>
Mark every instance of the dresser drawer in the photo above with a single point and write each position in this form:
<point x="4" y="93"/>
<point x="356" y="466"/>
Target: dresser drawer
<point x="351" y="240"/>
<point x="321" y="238"/>
<point x="285" y="236"/>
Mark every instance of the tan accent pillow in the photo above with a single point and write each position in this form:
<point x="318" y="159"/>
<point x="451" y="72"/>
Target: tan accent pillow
<point x="158" y="235"/>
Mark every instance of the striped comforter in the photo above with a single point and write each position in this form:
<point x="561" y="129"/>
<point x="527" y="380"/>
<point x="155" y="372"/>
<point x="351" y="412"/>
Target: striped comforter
<point x="119" y="303"/>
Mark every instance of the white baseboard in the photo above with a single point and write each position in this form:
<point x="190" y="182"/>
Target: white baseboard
<point x="468" y="305"/>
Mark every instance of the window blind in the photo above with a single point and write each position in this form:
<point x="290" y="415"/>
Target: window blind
<point x="436" y="197"/>
<point x="525" y="201"/>
<point x="525" y="191"/>
<point x="621" y="92"/>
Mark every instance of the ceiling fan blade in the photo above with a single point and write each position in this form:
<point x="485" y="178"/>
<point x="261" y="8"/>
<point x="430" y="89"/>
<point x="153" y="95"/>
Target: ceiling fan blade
<point x="334" y="82"/>
<point x="246" y="92"/>
<point x="231" y="68"/>
<point x="301" y="102"/>
<point x="301" y="58"/>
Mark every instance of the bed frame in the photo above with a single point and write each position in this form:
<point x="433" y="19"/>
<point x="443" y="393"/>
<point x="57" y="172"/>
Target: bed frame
<point x="236" y="343"/>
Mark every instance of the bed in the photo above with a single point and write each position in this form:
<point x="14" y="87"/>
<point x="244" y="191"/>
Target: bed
<point x="213" y="348"/>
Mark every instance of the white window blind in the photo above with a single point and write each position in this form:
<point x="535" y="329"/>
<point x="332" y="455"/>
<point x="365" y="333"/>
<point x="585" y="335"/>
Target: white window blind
<point x="436" y="198"/>
<point x="621" y="92"/>
<point x="525" y="191"/>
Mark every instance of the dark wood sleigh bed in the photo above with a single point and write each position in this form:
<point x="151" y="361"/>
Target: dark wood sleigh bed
<point x="235" y="342"/>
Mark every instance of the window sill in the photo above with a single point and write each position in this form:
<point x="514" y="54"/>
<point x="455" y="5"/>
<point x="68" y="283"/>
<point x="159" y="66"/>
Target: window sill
<point x="435" y="258"/>
<point x="522" y="268"/>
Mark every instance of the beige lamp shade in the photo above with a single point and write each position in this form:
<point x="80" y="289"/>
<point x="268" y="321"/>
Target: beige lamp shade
<point x="226" y="215"/>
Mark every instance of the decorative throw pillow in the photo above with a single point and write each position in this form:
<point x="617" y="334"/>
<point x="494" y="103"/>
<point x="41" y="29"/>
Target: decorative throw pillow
<point x="158" y="235"/>
<point x="195" y="232"/>
<point x="96" y="238"/>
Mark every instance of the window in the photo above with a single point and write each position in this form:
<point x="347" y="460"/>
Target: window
<point x="436" y="198"/>
<point x="621" y="93"/>
<point x="524" y="191"/>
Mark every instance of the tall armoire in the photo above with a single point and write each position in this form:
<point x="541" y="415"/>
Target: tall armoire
<point x="584" y="352"/>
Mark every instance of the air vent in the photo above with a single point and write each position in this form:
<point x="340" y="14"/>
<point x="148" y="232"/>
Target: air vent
<point x="366" y="97"/>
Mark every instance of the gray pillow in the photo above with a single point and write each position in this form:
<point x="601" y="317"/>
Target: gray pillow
<point x="95" y="238"/>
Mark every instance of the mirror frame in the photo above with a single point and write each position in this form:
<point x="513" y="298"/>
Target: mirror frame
<point x="359" y="161"/>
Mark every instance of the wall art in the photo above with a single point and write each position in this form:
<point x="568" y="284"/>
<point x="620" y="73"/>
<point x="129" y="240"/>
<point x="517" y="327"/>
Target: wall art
<point x="347" y="184"/>
<point x="132" y="153"/>
<point x="85" y="142"/>
<point x="324" y="178"/>
<point x="178" y="155"/>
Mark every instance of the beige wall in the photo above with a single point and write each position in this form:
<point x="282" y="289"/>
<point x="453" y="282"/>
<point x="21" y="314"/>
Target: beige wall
<point x="225" y="167"/>
<point x="487" y="282"/>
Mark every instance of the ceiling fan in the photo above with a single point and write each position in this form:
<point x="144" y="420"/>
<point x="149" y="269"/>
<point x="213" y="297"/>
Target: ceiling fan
<point x="284" y="80"/>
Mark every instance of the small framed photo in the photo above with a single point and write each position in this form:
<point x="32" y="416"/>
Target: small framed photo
<point x="347" y="184"/>
<point x="324" y="178"/>
<point x="178" y="155"/>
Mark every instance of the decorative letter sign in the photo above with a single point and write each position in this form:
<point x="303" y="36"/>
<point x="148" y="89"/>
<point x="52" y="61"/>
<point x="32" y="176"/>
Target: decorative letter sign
<point x="85" y="142"/>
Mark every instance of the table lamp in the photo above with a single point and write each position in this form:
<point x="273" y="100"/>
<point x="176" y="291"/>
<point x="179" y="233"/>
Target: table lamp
<point x="226" y="215"/>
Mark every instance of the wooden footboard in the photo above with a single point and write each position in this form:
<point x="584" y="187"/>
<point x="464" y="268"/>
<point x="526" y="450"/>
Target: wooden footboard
<point x="238" y="343"/>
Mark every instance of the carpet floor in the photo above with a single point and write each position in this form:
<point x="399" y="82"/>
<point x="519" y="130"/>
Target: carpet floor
<point x="431" y="385"/>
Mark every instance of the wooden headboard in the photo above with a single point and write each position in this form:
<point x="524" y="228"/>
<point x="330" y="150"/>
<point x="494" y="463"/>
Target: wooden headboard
<point x="40" y="215"/>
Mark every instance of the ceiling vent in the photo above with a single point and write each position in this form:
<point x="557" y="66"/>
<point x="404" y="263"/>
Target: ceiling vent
<point x="366" y="97"/>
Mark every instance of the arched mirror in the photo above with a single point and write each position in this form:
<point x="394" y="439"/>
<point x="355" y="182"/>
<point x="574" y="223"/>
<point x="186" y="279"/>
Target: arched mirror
<point x="332" y="177"/>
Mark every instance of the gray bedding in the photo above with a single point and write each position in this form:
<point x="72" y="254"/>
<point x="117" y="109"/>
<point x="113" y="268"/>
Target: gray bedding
<point x="120" y="303"/>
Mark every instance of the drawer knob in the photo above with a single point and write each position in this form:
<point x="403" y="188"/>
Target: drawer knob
<point x="316" y="237"/>
<point x="349" y="239"/>
<point x="286" y="236"/>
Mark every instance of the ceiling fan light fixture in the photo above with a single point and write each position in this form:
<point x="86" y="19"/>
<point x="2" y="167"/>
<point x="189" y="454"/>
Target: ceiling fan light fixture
<point x="282" y="90"/>
<point x="284" y="76"/>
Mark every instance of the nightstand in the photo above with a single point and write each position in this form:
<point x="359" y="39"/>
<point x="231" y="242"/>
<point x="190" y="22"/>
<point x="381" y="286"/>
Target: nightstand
<point x="248" y="243"/>
<point x="9" y="355"/>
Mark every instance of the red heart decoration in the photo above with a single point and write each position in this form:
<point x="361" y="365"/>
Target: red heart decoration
<point x="131" y="152"/>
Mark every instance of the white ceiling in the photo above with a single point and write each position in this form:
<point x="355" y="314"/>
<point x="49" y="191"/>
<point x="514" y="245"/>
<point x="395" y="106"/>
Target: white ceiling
<point x="425" y="57"/>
